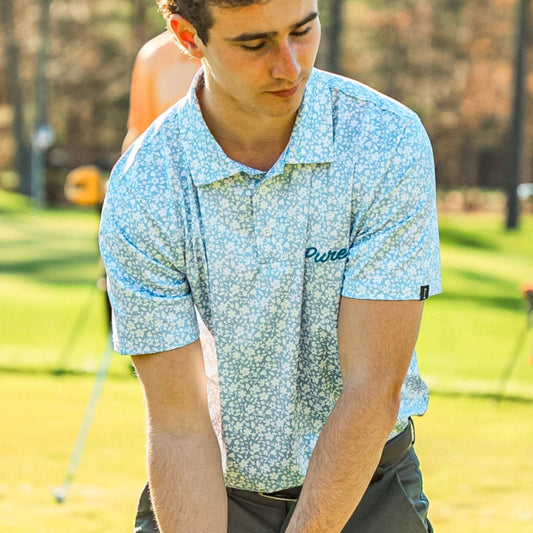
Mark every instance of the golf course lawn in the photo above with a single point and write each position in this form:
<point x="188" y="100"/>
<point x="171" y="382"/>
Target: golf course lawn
<point x="474" y="350"/>
<point x="475" y="453"/>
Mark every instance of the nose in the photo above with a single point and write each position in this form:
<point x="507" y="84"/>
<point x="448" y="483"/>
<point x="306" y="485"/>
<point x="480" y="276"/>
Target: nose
<point x="286" y="65"/>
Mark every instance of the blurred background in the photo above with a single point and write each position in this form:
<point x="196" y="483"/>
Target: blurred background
<point x="66" y="65"/>
<point x="65" y="71"/>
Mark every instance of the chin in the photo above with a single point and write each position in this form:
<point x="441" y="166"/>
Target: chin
<point x="281" y="108"/>
<point x="289" y="112"/>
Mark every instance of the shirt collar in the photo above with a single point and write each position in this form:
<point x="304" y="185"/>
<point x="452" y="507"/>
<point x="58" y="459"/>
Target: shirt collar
<point x="311" y="139"/>
<point x="312" y="136"/>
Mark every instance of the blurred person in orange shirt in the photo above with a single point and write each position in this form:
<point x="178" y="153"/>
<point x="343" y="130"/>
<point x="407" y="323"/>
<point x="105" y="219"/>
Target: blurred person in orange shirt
<point x="162" y="74"/>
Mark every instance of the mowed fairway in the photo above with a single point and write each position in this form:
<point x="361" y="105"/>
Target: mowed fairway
<point x="44" y="414"/>
<point x="477" y="452"/>
<point x="476" y="455"/>
<point x="477" y="463"/>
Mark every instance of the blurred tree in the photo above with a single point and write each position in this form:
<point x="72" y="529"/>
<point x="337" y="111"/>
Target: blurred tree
<point x="451" y="61"/>
<point x="141" y="31"/>
<point x="92" y="47"/>
<point x="42" y="134"/>
<point x="517" y="123"/>
<point x="330" y="53"/>
<point x="91" y="79"/>
<point x="11" y="51"/>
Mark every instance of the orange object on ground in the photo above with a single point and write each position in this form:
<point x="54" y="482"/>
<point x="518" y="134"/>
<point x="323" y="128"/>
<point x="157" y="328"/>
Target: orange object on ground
<point x="85" y="186"/>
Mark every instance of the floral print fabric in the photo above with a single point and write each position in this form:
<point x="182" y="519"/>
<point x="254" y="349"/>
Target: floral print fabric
<point x="264" y="257"/>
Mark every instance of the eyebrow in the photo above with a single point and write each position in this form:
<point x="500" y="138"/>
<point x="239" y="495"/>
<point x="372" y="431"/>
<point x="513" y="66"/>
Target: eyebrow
<point x="254" y="36"/>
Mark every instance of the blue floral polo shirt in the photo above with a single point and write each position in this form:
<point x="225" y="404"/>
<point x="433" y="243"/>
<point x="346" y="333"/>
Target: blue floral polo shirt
<point x="264" y="257"/>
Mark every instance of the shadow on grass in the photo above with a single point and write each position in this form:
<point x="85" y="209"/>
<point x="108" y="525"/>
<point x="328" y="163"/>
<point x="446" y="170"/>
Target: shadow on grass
<point x="64" y="268"/>
<point x="58" y="372"/>
<point x="457" y="237"/>
<point x="512" y="303"/>
<point x="496" y="397"/>
<point x="485" y="289"/>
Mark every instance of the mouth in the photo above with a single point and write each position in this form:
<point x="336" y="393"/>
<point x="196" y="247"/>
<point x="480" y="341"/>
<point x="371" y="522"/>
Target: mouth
<point x="286" y="93"/>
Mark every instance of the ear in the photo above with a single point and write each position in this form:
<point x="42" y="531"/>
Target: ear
<point x="186" y="35"/>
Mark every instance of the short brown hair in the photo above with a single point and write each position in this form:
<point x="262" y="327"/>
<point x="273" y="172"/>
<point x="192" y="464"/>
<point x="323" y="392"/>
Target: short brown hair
<point x="197" y="11"/>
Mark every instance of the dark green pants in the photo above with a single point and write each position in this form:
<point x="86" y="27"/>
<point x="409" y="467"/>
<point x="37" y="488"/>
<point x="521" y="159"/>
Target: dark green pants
<point x="393" y="503"/>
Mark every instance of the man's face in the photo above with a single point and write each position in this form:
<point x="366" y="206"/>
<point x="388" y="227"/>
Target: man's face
<point x="259" y="57"/>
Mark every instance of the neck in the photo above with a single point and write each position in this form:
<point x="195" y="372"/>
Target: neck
<point x="254" y="140"/>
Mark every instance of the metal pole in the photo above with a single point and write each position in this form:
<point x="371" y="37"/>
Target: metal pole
<point x="62" y="492"/>
<point x="517" y="124"/>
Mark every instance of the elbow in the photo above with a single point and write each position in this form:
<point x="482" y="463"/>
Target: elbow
<point x="389" y="399"/>
<point x="392" y="404"/>
<point x="379" y="399"/>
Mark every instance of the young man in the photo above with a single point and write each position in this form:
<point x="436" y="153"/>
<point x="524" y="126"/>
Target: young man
<point x="162" y="74"/>
<point x="294" y="212"/>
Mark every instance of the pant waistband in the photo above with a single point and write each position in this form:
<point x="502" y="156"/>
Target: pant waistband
<point x="393" y="450"/>
<point x="398" y="446"/>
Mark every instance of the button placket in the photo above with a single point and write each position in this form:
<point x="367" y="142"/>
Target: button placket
<point x="263" y="223"/>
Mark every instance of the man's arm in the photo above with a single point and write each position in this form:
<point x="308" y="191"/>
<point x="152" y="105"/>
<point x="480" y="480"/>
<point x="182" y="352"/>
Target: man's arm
<point x="376" y="341"/>
<point x="184" y="464"/>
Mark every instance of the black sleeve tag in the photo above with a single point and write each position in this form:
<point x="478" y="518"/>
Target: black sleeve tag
<point x="424" y="292"/>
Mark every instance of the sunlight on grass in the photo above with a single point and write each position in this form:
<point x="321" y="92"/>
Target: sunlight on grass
<point x="477" y="463"/>
<point x="479" y="324"/>
<point x="45" y="414"/>
<point x="475" y="451"/>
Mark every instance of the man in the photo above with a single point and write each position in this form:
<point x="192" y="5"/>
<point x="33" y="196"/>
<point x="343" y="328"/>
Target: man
<point x="162" y="74"/>
<point x="294" y="211"/>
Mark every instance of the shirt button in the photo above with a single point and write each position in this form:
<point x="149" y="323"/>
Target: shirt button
<point x="267" y="232"/>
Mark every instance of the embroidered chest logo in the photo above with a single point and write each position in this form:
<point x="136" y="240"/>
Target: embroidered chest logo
<point x="324" y="257"/>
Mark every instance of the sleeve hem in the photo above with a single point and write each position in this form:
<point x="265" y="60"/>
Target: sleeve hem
<point x="126" y="349"/>
<point x="410" y="293"/>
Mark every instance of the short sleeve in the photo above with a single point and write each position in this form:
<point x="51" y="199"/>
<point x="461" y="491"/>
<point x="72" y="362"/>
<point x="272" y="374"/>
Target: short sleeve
<point x="394" y="242"/>
<point x="141" y="244"/>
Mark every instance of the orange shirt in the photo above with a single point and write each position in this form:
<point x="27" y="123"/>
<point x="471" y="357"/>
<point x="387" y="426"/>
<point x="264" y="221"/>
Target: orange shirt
<point x="161" y="76"/>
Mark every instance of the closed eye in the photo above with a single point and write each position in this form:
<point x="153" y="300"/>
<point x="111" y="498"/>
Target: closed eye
<point x="302" y="32"/>
<point x="252" y="48"/>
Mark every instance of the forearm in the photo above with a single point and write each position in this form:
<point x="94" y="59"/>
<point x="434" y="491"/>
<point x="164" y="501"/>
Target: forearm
<point x="343" y="462"/>
<point x="186" y="483"/>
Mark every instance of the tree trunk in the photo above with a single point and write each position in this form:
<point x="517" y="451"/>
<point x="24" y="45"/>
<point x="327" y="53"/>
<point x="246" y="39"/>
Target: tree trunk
<point x="39" y="148"/>
<point x="330" y="54"/>
<point x="517" y="124"/>
<point x="335" y="34"/>
<point x="138" y="22"/>
<point x="22" y="161"/>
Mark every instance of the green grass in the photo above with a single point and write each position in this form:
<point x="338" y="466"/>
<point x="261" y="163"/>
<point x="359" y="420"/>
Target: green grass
<point x="52" y="314"/>
<point x="476" y="452"/>
<point x="478" y="327"/>
<point x="40" y="424"/>
<point x="477" y="464"/>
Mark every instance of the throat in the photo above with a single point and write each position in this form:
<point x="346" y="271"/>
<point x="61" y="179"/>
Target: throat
<point x="260" y="155"/>
<point x="257" y="145"/>
<point x="251" y="139"/>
